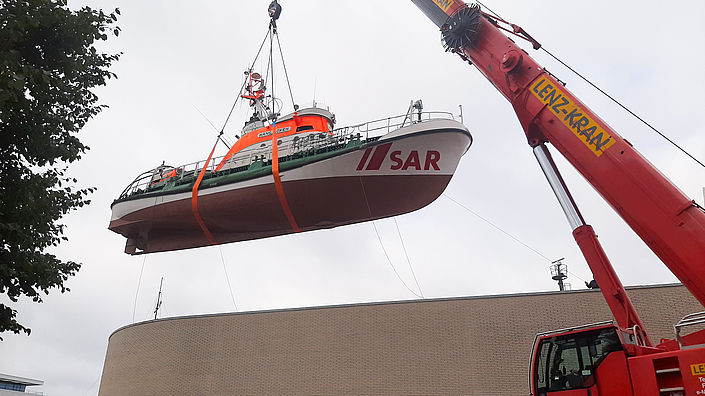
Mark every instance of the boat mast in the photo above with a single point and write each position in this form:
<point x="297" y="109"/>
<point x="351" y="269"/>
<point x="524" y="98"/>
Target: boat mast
<point x="256" y="84"/>
<point x="255" y="93"/>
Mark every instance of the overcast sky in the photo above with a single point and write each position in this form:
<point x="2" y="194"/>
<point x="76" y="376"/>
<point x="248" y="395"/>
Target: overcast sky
<point x="366" y="59"/>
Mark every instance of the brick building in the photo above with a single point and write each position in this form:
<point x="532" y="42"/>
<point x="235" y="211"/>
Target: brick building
<point x="454" y="346"/>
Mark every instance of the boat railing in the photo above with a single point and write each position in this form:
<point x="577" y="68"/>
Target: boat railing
<point x="383" y="126"/>
<point x="297" y="147"/>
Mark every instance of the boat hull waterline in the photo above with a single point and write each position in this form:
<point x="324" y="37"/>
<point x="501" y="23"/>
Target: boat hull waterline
<point x="401" y="172"/>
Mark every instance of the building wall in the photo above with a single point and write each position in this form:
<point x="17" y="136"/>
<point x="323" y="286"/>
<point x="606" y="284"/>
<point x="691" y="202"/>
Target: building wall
<point x="5" y="392"/>
<point x="458" y="346"/>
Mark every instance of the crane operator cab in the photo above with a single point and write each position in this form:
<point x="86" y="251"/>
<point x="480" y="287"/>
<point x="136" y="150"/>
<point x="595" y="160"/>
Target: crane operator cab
<point x="567" y="363"/>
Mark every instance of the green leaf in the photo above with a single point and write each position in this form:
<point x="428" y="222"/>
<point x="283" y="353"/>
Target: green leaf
<point x="47" y="75"/>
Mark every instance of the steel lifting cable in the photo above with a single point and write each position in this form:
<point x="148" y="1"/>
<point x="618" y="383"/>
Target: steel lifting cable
<point x="488" y="9"/>
<point x="608" y="96"/>
<point x="139" y="282"/>
<point x="505" y="232"/>
<point x="390" y="262"/>
<point x="245" y="82"/>
<point x="364" y="193"/>
<point x="89" y="389"/>
<point x="291" y="93"/>
<point x="214" y="127"/>
<point x="270" y="34"/>
<point x="407" y="257"/>
<point x="270" y="66"/>
<point x="227" y="278"/>
<point x="624" y="107"/>
<point x="497" y="227"/>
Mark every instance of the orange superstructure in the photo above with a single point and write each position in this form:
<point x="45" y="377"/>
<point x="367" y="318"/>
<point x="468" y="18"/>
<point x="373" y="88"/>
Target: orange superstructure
<point x="306" y="121"/>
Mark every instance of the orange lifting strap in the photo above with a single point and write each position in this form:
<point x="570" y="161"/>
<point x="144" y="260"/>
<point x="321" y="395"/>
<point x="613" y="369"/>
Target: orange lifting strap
<point x="194" y="197"/>
<point x="278" y="182"/>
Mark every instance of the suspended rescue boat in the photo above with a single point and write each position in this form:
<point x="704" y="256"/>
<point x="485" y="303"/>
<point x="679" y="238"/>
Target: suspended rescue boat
<point x="292" y="173"/>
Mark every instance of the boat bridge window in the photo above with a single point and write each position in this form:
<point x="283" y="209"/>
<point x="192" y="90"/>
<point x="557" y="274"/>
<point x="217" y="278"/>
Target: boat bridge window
<point x="304" y="128"/>
<point x="569" y="362"/>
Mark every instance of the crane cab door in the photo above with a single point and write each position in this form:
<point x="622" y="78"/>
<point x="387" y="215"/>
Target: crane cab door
<point x="582" y="363"/>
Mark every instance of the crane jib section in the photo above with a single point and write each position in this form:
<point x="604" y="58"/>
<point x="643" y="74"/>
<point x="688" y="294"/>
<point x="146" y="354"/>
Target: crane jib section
<point x="656" y="210"/>
<point x="444" y="4"/>
<point x="573" y="116"/>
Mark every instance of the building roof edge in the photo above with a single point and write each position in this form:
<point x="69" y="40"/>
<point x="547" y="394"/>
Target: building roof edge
<point x="20" y="380"/>
<point x="375" y="303"/>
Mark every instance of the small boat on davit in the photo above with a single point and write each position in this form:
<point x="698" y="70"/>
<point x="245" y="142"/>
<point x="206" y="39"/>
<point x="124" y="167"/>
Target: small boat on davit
<point x="292" y="173"/>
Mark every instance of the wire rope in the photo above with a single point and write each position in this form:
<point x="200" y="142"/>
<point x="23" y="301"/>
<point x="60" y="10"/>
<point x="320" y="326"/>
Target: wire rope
<point x="245" y="82"/>
<point x="488" y="9"/>
<point x="227" y="278"/>
<point x="497" y="227"/>
<point x="407" y="258"/>
<point x="505" y="232"/>
<point x="223" y="137"/>
<point x="624" y="107"/>
<point x="134" y="308"/>
<point x="270" y="64"/>
<point x="390" y="262"/>
<point x="291" y="93"/>
<point x="89" y="389"/>
<point x="609" y="96"/>
<point x="367" y="202"/>
<point x="577" y="276"/>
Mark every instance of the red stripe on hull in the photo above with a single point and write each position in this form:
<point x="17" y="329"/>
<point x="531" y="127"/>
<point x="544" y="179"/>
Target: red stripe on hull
<point x="255" y="212"/>
<point x="363" y="160"/>
<point x="378" y="157"/>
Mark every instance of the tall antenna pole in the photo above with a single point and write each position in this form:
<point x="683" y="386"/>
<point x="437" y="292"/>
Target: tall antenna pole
<point x="159" y="299"/>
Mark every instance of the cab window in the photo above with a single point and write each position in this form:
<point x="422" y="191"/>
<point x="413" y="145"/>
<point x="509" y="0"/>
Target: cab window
<point x="569" y="362"/>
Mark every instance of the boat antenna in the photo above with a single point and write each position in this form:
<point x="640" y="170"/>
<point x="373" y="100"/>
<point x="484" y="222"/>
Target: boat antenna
<point x="159" y="299"/>
<point x="315" y="84"/>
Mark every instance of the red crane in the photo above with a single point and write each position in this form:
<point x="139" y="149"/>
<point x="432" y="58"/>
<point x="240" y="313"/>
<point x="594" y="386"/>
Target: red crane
<point x="605" y="358"/>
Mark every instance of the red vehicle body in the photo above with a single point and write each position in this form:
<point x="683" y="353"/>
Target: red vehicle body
<point x="607" y="358"/>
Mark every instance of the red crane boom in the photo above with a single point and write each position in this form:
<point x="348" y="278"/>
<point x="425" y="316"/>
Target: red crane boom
<point x="670" y="223"/>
